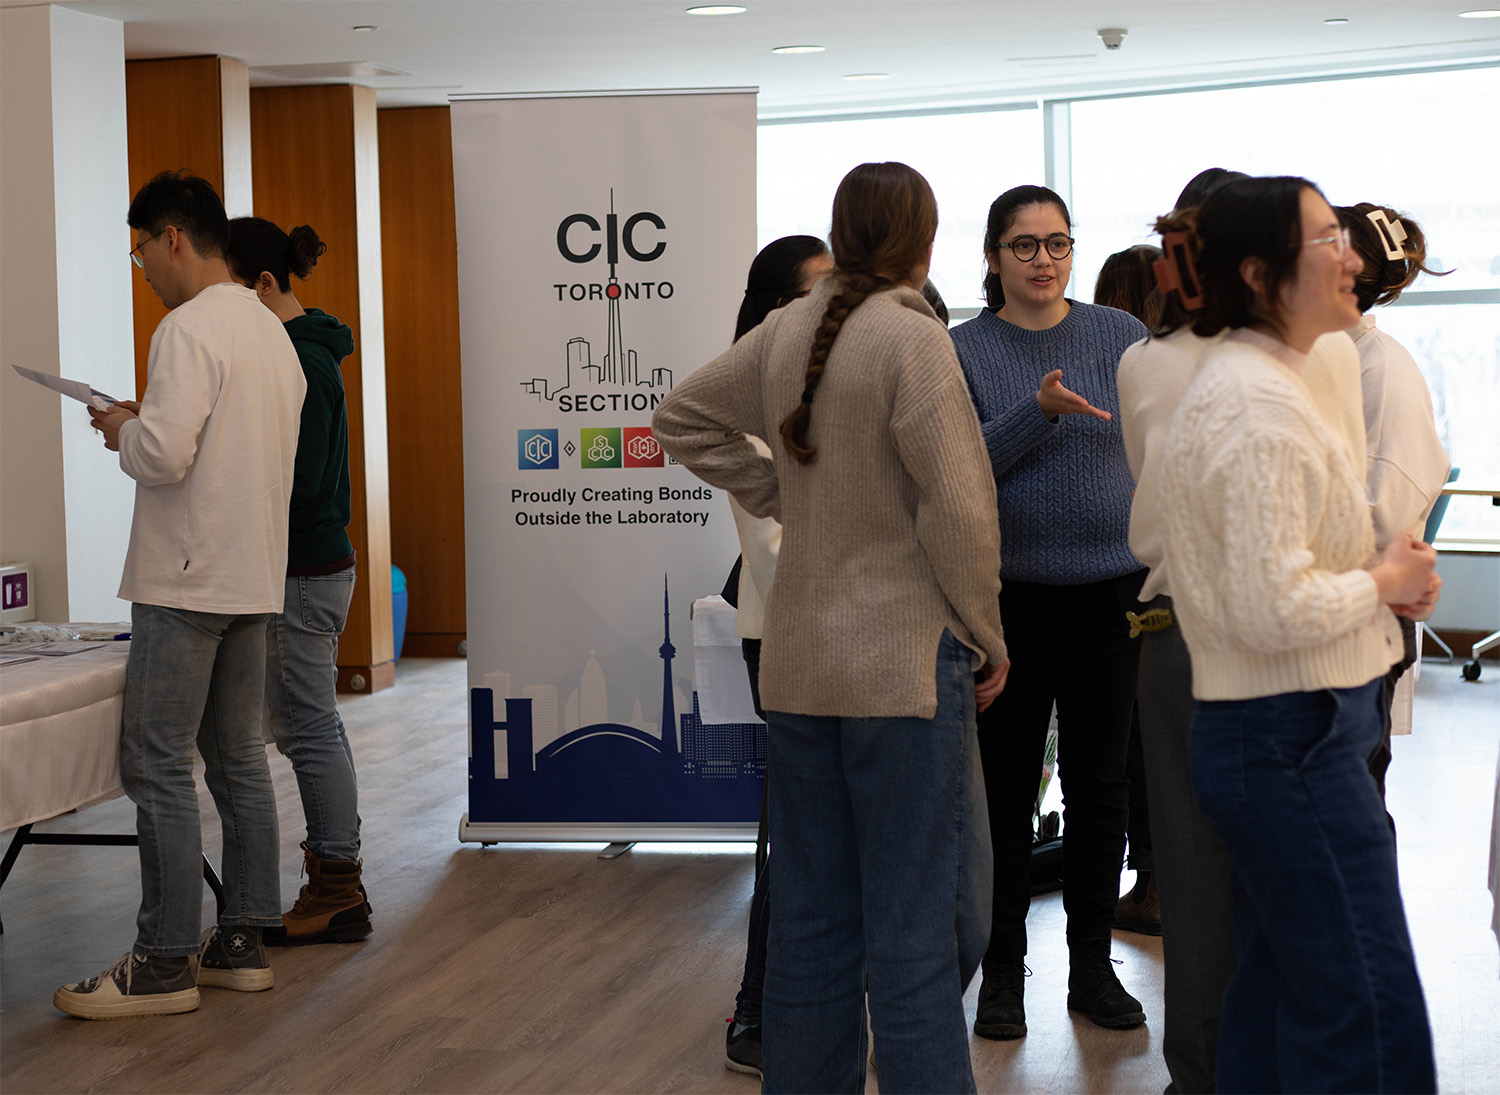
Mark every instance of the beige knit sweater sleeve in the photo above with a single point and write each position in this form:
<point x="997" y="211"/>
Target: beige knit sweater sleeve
<point x="705" y="421"/>
<point x="936" y="433"/>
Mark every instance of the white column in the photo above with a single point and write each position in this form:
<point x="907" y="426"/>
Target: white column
<point x="1057" y="137"/>
<point x="65" y="506"/>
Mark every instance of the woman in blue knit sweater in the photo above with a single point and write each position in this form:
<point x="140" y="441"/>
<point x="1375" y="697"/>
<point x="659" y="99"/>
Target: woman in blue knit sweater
<point x="1041" y="369"/>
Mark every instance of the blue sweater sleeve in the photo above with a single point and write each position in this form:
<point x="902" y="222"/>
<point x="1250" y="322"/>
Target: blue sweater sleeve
<point x="1013" y="431"/>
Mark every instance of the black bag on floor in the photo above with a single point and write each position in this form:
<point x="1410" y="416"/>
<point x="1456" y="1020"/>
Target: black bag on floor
<point x="1047" y="854"/>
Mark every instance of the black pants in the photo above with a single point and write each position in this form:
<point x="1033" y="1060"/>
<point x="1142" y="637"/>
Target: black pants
<point x="1380" y="760"/>
<point x="1070" y="645"/>
<point x="747" y="1003"/>
<point x="1141" y="858"/>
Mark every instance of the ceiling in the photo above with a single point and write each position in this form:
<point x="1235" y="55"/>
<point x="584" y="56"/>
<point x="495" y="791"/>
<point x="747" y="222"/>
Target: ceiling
<point x="936" y="52"/>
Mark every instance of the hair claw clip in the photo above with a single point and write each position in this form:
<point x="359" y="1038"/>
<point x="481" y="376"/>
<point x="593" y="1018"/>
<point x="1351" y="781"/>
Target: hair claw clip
<point x="1175" y="270"/>
<point x="1392" y="233"/>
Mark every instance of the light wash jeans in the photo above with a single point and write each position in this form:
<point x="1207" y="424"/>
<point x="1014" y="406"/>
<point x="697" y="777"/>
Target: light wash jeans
<point x="197" y="676"/>
<point x="870" y="823"/>
<point x="1326" y="996"/>
<point x="302" y="646"/>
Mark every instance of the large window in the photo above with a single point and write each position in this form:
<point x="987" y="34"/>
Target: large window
<point x="1421" y="143"/>
<point x="968" y="158"/>
<point x="1409" y="142"/>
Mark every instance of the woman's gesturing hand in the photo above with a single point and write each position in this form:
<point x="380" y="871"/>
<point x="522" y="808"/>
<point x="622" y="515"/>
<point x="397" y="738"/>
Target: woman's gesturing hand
<point x="1054" y="399"/>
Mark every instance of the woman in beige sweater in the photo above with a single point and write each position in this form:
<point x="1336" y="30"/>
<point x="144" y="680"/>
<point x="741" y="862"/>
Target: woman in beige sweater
<point x="885" y="603"/>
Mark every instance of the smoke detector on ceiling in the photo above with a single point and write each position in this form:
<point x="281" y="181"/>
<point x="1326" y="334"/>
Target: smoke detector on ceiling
<point x="1112" y="37"/>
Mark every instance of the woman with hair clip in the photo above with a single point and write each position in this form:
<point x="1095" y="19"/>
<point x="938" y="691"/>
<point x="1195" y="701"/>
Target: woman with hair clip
<point x="785" y="270"/>
<point x="1406" y="463"/>
<point x="1058" y="463"/>
<point x="302" y="642"/>
<point x="885" y="604"/>
<point x="1191" y="868"/>
<point x="1289" y="625"/>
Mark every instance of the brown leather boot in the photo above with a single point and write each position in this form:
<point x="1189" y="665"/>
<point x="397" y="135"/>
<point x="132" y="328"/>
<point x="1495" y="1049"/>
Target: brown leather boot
<point x="331" y="908"/>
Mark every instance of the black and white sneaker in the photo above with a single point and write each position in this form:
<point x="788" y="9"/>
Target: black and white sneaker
<point x="742" y="1049"/>
<point x="233" y="958"/>
<point x="137" y="984"/>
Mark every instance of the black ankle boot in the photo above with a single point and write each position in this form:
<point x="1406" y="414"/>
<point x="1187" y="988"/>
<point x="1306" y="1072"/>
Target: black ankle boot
<point x="1002" y="1002"/>
<point x="1094" y="990"/>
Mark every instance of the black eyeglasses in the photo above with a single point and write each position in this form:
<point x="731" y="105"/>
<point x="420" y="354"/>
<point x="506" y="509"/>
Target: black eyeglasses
<point x="1026" y="247"/>
<point x="135" y="257"/>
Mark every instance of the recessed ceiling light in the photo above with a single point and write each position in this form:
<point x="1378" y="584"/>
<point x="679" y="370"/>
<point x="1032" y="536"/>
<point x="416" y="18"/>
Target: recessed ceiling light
<point x="1335" y="22"/>
<point x="799" y="49"/>
<point x="716" y="9"/>
<point x="868" y="76"/>
<point x="1480" y="13"/>
<point x="366" y="26"/>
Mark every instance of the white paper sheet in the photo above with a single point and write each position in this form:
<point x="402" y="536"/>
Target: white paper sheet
<point x="73" y="389"/>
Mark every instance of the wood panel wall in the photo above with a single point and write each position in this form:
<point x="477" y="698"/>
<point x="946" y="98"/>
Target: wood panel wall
<point x="315" y="161"/>
<point x="423" y="382"/>
<point x="185" y="114"/>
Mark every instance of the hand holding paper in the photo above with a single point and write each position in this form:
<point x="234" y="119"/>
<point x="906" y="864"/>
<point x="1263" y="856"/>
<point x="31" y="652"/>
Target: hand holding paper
<point x="108" y="422"/>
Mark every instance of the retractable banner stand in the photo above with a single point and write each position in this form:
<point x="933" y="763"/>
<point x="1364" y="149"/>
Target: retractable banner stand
<point x="603" y="244"/>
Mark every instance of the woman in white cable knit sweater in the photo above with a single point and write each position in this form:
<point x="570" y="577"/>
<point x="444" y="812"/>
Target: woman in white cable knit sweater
<point x="1288" y="619"/>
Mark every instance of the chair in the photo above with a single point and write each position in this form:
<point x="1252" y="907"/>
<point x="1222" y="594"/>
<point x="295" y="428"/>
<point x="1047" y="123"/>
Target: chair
<point x="1429" y="535"/>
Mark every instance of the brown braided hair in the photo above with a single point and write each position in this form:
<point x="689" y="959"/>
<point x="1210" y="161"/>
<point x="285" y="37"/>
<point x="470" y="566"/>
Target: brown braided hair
<point x="884" y="221"/>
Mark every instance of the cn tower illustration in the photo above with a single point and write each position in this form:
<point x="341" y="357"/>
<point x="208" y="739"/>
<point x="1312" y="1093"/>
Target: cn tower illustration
<point x="606" y="770"/>
<point x="620" y="367"/>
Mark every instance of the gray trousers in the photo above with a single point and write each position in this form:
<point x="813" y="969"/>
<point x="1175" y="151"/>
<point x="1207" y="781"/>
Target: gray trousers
<point x="1192" y="867"/>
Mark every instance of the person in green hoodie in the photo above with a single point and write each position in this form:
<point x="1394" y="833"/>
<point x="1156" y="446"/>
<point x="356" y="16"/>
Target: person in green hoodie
<point x="302" y="642"/>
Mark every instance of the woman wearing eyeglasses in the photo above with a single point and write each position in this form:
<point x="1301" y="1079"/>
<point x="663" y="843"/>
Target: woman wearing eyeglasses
<point x="1040" y="368"/>
<point x="1289" y="626"/>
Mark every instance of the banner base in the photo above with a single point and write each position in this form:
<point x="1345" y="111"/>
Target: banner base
<point x="520" y="832"/>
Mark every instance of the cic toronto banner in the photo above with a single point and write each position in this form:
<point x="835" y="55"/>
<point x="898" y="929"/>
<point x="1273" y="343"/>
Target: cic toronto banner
<point x="603" y="244"/>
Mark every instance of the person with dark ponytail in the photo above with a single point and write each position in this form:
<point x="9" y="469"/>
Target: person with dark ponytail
<point x="1126" y="282"/>
<point x="1191" y="867"/>
<point x="885" y="604"/>
<point x="1287" y="612"/>
<point x="302" y="641"/>
<point x="1407" y="465"/>
<point x="1058" y="463"/>
<point x="785" y="270"/>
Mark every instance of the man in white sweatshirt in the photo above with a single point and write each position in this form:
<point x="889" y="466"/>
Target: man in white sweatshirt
<point x="211" y="447"/>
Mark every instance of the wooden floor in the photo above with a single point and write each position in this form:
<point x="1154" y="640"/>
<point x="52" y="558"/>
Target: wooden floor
<point x="545" y="969"/>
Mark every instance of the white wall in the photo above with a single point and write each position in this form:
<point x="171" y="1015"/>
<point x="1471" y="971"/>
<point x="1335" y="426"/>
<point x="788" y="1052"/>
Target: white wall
<point x="65" y="304"/>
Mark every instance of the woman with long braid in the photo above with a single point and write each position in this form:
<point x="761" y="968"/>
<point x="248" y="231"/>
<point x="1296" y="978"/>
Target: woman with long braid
<point x="885" y="603"/>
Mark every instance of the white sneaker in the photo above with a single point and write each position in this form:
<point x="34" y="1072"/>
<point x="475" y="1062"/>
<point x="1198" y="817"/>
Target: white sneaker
<point x="137" y="984"/>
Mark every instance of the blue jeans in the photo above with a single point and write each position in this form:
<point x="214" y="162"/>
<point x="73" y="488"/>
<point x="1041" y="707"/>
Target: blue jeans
<point x="975" y="892"/>
<point x="868" y="820"/>
<point x="302" y="645"/>
<point x="197" y="676"/>
<point x="1326" y="996"/>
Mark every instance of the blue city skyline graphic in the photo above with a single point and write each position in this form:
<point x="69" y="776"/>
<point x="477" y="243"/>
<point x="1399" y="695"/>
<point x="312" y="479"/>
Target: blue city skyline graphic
<point x="612" y="772"/>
